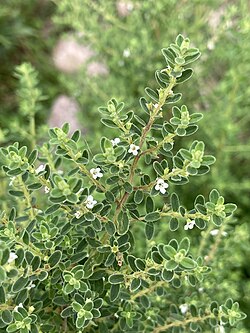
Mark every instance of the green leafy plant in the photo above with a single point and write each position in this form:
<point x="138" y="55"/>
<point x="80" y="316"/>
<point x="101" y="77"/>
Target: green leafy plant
<point x="69" y="254"/>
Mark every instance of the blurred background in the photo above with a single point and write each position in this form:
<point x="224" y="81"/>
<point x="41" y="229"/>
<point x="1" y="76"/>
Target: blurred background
<point x="81" y="53"/>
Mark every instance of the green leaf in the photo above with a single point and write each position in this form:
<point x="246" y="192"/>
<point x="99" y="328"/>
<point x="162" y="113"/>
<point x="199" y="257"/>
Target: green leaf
<point x="167" y="275"/>
<point x="12" y="328"/>
<point x="171" y="265"/>
<point x="16" y="193"/>
<point x="208" y="160"/>
<point x="76" y="136"/>
<point x="33" y="156"/>
<point x="138" y="197"/>
<point x="149" y="230"/>
<point x="43" y="276"/>
<point x="55" y="258"/>
<point x="186" y="75"/>
<point x="20" y="284"/>
<point x="80" y="322"/>
<point x="108" y="123"/>
<point x="152" y="217"/>
<point x="67" y="312"/>
<point x="195" y="117"/>
<point x="123" y="224"/>
<point x="200" y="223"/>
<point x="158" y="168"/>
<point x="188" y="263"/>
<point x="174" y="200"/>
<point x="217" y="220"/>
<point x="192" y="57"/>
<point x="150" y="207"/>
<point x="152" y="94"/>
<point x="114" y="292"/>
<point x="116" y="278"/>
<point x="143" y="103"/>
<point x="34" y="186"/>
<point x="110" y="196"/>
<point x="169" y="56"/>
<point x="110" y="228"/>
<point x="65" y="128"/>
<point x="2" y="274"/>
<point x="128" y="187"/>
<point x="5" y="256"/>
<point x="7" y="316"/>
<point x="140" y="264"/>
<point x="2" y="295"/>
<point x="135" y="284"/>
<point x="184" y="244"/>
<point x="173" y="99"/>
<point x="230" y="208"/>
<point x="169" y="251"/>
<point x="173" y="224"/>
<point x="185" y="154"/>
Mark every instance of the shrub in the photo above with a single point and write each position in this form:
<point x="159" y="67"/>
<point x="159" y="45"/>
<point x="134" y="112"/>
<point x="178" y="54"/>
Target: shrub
<point x="127" y="44"/>
<point x="69" y="247"/>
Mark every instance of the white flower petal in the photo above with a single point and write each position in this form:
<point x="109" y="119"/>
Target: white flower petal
<point x="12" y="257"/>
<point x="40" y="168"/>
<point x="183" y="308"/>
<point x="46" y="189"/>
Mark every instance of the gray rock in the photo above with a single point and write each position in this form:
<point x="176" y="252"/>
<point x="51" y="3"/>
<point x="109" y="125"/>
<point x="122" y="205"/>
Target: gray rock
<point x="64" y="109"/>
<point x="69" y="55"/>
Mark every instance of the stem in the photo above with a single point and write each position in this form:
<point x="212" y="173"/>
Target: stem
<point x="27" y="198"/>
<point x="186" y="216"/>
<point x="32" y="130"/>
<point x="29" y="247"/>
<point x="205" y="238"/>
<point x="148" y="290"/>
<point x="182" y="323"/>
<point x="84" y="170"/>
<point x="145" y="131"/>
<point x="215" y="246"/>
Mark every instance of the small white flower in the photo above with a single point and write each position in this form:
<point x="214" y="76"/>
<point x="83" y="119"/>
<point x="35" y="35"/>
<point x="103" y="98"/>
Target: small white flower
<point x="133" y="149"/>
<point x="215" y="232"/>
<point x="156" y="105"/>
<point x="78" y="214"/>
<point x="12" y="257"/>
<point x="161" y="186"/>
<point x="46" y="189"/>
<point x="32" y="285"/>
<point x="60" y="172"/>
<point x="20" y="305"/>
<point x="115" y="141"/>
<point x="40" y="168"/>
<point x="183" y="308"/>
<point x="37" y="211"/>
<point x="189" y="225"/>
<point x="96" y="173"/>
<point x="126" y="53"/>
<point x="12" y="179"/>
<point x="220" y="329"/>
<point x="90" y="202"/>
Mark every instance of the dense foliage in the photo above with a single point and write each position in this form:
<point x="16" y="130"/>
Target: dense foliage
<point x="69" y="256"/>
<point x="125" y="36"/>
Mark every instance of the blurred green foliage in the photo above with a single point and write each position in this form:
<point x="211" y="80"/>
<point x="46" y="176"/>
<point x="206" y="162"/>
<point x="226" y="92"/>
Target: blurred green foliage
<point x="26" y="35"/>
<point x="128" y="44"/>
